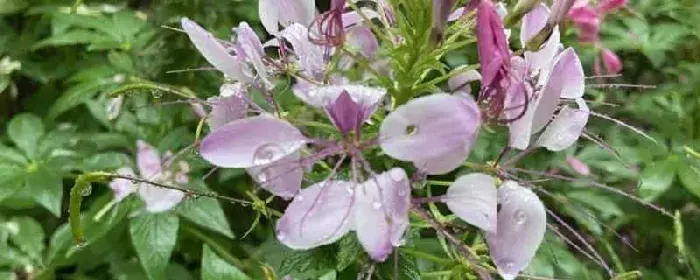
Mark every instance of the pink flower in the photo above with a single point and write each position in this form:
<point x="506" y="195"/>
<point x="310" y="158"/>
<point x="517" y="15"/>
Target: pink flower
<point x="607" y="6"/>
<point x="611" y="61"/>
<point x="152" y="168"/>
<point x="588" y="21"/>
<point x="579" y="166"/>
<point x="494" y="55"/>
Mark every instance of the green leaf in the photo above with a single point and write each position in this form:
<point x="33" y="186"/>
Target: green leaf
<point x="349" y="251"/>
<point x="25" y="130"/>
<point x="45" y="186"/>
<point x="12" y="6"/>
<point x="154" y="237"/>
<point x="215" y="268"/>
<point x="11" y="180"/>
<point x="104" y="161"/>
<point x="75" y="37"/>
<point x="73" y="97"/>
<point x="657" y="178"/>
<point x="10" y="155"/>
<point x="406" y="268"/>
<point x="29" y="238"/>
<point x="206" y="212"/>
<point x="689" y="176"/>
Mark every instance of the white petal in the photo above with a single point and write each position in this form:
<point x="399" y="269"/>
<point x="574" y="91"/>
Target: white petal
<point x="473" y="198"/>
<point x="159" y="199"/>
<point x="213" y="51"/>
<point x="566" y="127"/>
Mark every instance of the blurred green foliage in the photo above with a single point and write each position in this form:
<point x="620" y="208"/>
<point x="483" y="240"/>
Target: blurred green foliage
<point x="59" y="59"/>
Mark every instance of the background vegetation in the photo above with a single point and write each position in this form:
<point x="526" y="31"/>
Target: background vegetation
<point x="58" y="60"/>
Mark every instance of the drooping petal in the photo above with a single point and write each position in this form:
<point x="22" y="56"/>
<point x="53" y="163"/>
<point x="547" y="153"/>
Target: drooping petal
<point x="361" y="37"/>
<point x="473" y="198"/>
<point x="251" y="142"/>
<point x="159" y="199"/>
<point x="148" y="161"/>
<point x="310" y="55"/>
<point x="566" y="127"/>
<point x="381" y="209"/>
<point x="522" y="222"/>
<point x="123" y="187"/>
<point x="429" y="128"/>
<point x="318" y="215"/>
<point x="282" y="177"/>
<point x="249" y="47"/>
<point x="565" y="80"/>
<point x="461" y="81"/>
<point x="365" y="97"/>
<point x="274" y="13"/>
<point x="213" y="51"/>
<point x="229" y="107"/>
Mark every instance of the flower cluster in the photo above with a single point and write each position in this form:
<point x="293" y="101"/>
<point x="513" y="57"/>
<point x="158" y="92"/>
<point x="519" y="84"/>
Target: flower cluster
<point x="530" y="92"/>
<point x="588" y="19"/>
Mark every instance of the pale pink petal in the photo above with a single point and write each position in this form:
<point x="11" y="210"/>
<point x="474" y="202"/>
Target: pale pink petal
<point x="381" y="212"/>
<point x="458" y="13"/>
<point x="566" y="127"/>
<point x="274" y="13"/>
<point x="518" y="97"/>
<point x="366" y="97"/>
<point x="249" y="47"/>
<point x="148" y="160"/>
<point x="123" y="187"/>
<point x="428" y="128"/>
<point x="360" y="37"/>
<point x="213" y="51"/>
<point x="522" y="222"/>
<point x="251" y="142"/>
<point x="461" y="81"/>
<point x="579" y="166"/>
<point x="473" y="198"/>
<point x="444" y="163"/>
<point x="533" y="22"/>
<point x="227" y="108"/>
<point x="354" y="18"/>
<point x="565" y="80"/>
<point x="282" y="177"/>
<point x="159" y="199"/>
<point x="540" y="61"/>
<point x="310" y="55"/>
<point x="318" y="215"/>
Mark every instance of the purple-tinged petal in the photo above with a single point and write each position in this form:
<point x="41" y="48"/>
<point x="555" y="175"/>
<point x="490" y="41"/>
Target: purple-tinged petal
<point x="522" y="222"/>
<point x="354" y="18"/>
<point x="382" y="208"/>
<point x="519" y="97"/>
<point x="159" y="199"/>
<point x="430" y="128"/>
<point x="473" y="198"/>
<point x="274" y="13"/>
<point x="345" y="113"/>
<point x="361" y="37"/>
<point x="461" y="81"/>
<point x="123" y="187"/>
<point x="458" y="13"/>
<point x="310" y="55"/>
<point x="148" y="161"/>
<point x="565" y="80"/>
<point x="251" y="142"/>
<point x="566" y="127"/>
<point x="227" y="108"/>
<point x="281" y="178"/>
<point x="533" y="22"/>
<point x="366" y="97"/>
<point x="606" y="6"/>
<point x="318" y="215"/>
<point x="249" y="47"/>
<point x="579" y="166"/>
<point x="213" y="51"/>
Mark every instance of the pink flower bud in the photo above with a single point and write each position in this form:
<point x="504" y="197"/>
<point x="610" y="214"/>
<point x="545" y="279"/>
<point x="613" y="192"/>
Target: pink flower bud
<point x="579" y="166"/>
<point x="611" y="61"/>
<point x="587" y="20"/>
<point x="607" y="6"/>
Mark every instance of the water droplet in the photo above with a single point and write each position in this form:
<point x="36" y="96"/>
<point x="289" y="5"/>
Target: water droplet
<point x="506" y="199"/>
<point x="326" y="237"/>
<point x="351" y="190"/>
<point x="87" y="191"/>
<point x="267" y="153"/>
<point x="281" y="236"/>
<point x="299" y="198"/>
<point x="520" y="217"/>
<point x="402" y="192"/>
<point x="411" y="130"/>
<point x="376" y="205"/>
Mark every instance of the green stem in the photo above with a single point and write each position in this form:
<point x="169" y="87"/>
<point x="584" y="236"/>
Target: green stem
<point x="426" y="256"/>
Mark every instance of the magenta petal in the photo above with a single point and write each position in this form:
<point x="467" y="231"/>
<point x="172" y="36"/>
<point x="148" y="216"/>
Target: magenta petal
<point x="345" y="113"/>
<point x="229" y="107"/>
<point x="611" y="61"/>
<point x="382" y="208"/>
<point x="492" y="45"/>
<point x="565" y="80"/>
<point x="566" y="127"/>
<point x="213" y="51"/>
<point x="473" y="198"/>
<point x="158" y="199"/>
<point x="429" y="128"/>
<point x="148" y="161"/>
<point x="282" y="177"/>
<point x="522" y="222"/>
<point x="251" y="142"/>
<point x="318" y="215"/>
<point x="123" y="187"/>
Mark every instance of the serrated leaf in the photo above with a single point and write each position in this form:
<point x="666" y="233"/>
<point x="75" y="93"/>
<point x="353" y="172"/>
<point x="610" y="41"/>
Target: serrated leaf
<point x="25" y="130"/>
<point x="349" y="251"/>
<point x="406" y="268"/>
<point x="215" y="268"/>
<point x="154" y="237"/>
<point x="657" y="178"/>
<point x="206" y="212"/>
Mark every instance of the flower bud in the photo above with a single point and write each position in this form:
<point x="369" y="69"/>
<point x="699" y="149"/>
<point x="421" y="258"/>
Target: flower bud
<point x="611" y="61"/>
<point x="607" y="6"/>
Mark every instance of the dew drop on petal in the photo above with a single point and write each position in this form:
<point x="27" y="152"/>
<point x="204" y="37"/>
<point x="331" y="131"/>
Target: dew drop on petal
<point x="520" y="217"/>
<point x="376" y="205"/>
<point x="299" y="197"/>
<point x="267" y="153"/>
<point x="281" y="236"/>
